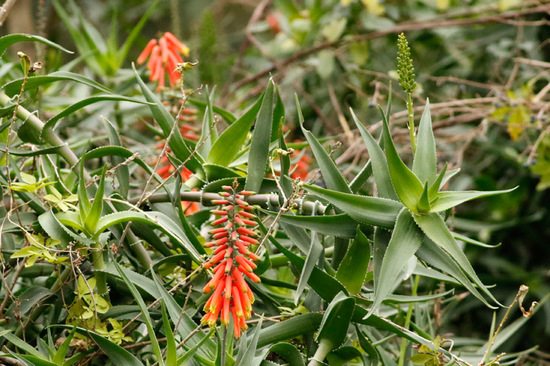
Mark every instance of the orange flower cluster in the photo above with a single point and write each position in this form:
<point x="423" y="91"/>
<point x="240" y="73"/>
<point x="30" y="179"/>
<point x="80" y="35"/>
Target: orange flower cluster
<point x="164" y="57"/>
<point x="233" y="261"/>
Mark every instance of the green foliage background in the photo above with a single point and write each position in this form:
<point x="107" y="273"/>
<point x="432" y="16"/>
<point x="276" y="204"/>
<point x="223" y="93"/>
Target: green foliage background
<point x="482" y="65"/>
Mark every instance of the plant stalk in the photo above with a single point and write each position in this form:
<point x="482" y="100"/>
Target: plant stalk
<point x="411" y="122"/>
<point x="404" y="342"/>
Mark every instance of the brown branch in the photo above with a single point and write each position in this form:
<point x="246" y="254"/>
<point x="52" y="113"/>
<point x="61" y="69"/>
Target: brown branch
<point x="407" y="27"/>
<point x="5" y="9"/>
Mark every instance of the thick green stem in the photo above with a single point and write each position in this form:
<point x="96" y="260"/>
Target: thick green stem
<point x="49" y="136"/>
<point x="404" y="342"/>
<point x="317" y="359"/>
<point x="411" y="122"/>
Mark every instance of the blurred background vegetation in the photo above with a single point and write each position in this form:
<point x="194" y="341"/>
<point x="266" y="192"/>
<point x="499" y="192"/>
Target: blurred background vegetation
<point x="483" y="64"/>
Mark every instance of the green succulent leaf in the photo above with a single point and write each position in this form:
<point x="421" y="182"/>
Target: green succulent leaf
<point x="11" y="39"/>
<point x="435" y="228"/>
<point x="407" y="186"/>
<point x="97" y="207"/>
<point x="261" y="138"/>
<point x="335" y="323"/>
<point x="424" y="201"/>
<point x="449" y="199"/>
<point x="117" y="354"/>
<point x="436" y="185"/>
<point x="14" y="87"/>
<point x="353" y="268"/>
<point x="290" y="328"/>
<point x="230" y="142"/>
<point x="341" y="225"/>
<point x="432" y="254"/>
<point x="369" y="210"/>
<point x="378" y="162"/>
<point x="331" y="174"/>
<point x="405" y="241"/>
<point x="312" y="258"/>
<point x="425" y="158"/>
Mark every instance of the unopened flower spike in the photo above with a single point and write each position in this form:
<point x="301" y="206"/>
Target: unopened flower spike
<point x="232" y="261"/>
<point x="405" y="68"/>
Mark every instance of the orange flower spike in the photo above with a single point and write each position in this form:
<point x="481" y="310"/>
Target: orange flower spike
<point x="214" y="300"/>
<point x="220" y="235"/>
<point x="214" y="317"/>
<point x="225" y="311"/>
<point x="236" y="327"/>
<point x="252" y="276"/>
<point x="218" y="230"/>
<point x="164" y="50"/>
<point x="253" y="256"/>
<point x="215" y="259"/>
<point x="246" y="263"/>
<point x="246" y="231"/>
<point x="228" y="265"/>
<point x="170" y="38"/>
<point x="155" y="54"/>
<point x="249" y="240"/>
<point x="147" y="51"/>
<point x="242" y="248"/>
<point x="237" y="301"/>
<point x="213" y="282"/>
<point x="246" y="304"/>
<point x="205" y="318"/>
<point x="242" y="323"/>
<point x="161" y="81"/>
<point x="246" y="214"/>
<point x="219" y="221"/>
<point x="219" y="249"/>
<point x="227" y="289"/>
<point x="239" y="279"/>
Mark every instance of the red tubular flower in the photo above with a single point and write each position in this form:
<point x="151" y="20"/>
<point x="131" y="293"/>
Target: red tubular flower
<point x="232" y="297"/>
<point x="165" y="55"/>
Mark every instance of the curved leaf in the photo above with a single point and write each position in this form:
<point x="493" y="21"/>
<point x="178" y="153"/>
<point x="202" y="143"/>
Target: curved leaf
<point x="11" y="39"/>
<point x="334" y="326"/>
<point x="290" y="328"/>
<point x="404" y="242"/>
<point x="341" y="225"/>
<point x="117" y="354"/>
<point x="261" y="138"/>
<point x="353" y="269"/>
<point x="155" y="219"/>
<point x="289" y="352"/>
<point x="406" y="184"/>
<point x="378" y="162"/>
<point x="331" y="174"/>
<point x="34" y="82"/>
<point x="435" y="228"/>
<point x="144" y="312"/>
<point x="425" y="158"/>
<point x="450" y="199"/>
<point x="312" y="258"/>
<point x="369" y="210"/>
<point x="50" y="124"/>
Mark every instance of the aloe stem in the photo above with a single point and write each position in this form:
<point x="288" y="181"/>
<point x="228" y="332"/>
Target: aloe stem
<point x="411" y="122"/>
<point x="404" y="341"/>
<point x="49" y="136"/>
<point x="317" y="359"/>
